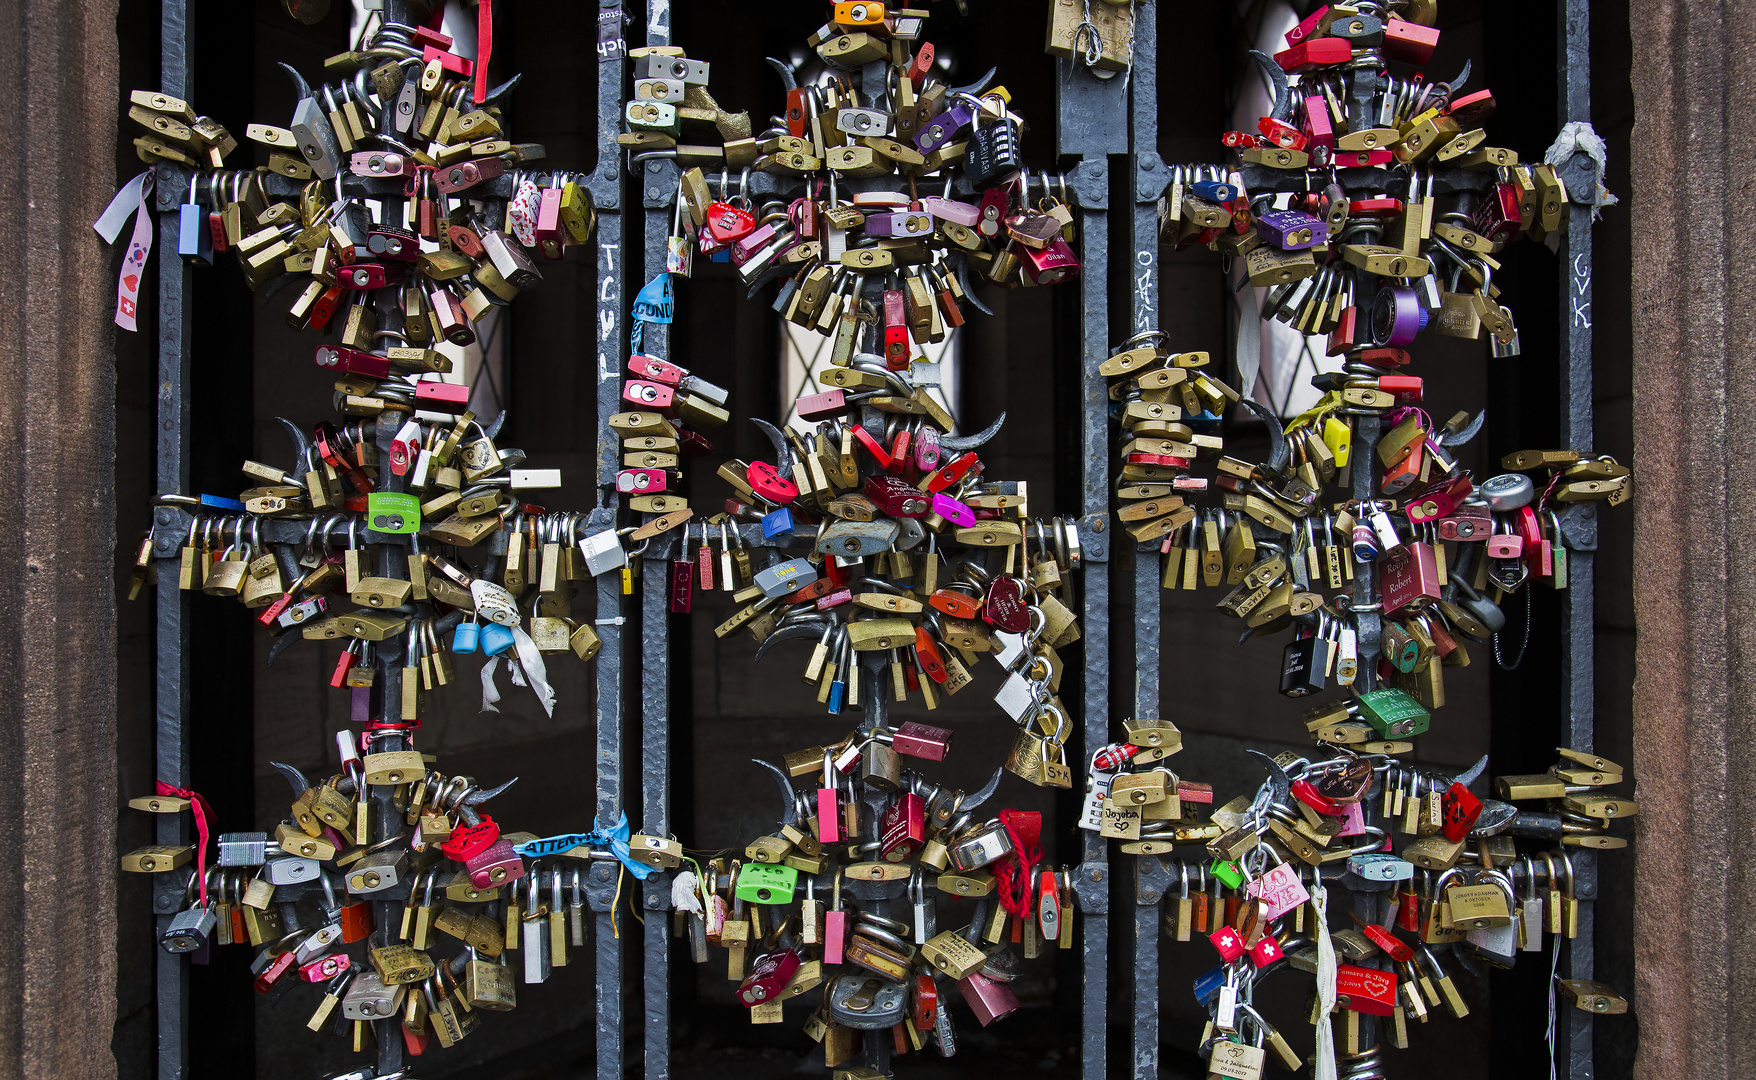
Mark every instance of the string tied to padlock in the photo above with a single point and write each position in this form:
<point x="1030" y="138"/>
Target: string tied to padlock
<point x="1014" y="873"/>
<point x="412" y="186"/>
<point x="203" y="814"/>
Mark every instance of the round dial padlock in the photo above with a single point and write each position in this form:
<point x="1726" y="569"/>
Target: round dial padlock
<point x="1507" y="492"/>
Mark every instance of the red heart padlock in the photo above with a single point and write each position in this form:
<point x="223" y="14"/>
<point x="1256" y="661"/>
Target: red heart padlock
<point x="1004" y="608"/>
<point x="727" y="223"/>
<point x="468" y="840"/>
<point x="1460" y="808"/>
<point x="767" y="482"/>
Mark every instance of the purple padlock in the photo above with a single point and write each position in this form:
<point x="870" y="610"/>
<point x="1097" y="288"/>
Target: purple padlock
<point x="942" y="128"/>
<point x="1397" y="316"/>
<point x="1292" y="230"/>
<point x="901" y="223"/>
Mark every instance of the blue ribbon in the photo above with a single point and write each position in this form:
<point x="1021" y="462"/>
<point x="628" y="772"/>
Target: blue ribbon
<point x="616" y="839"/>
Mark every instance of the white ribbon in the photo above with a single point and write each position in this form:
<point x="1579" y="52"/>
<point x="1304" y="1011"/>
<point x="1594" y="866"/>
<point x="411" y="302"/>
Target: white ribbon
<point x="490" y="692"/>
<point x="531" y="659"/>
<point x="683" y="896"/>
<point x="1323" y="1056"/>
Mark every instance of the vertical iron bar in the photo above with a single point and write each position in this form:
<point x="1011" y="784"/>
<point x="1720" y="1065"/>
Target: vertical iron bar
<point x="1578" y="603"/>
<point x="655" y="650"/>
<point x="1095" y="608"/>
<point x="1147" y="175"/>
<point x="1091" y="124"/>
<point x="609" y="289"/>
<point x="171" y="673"/>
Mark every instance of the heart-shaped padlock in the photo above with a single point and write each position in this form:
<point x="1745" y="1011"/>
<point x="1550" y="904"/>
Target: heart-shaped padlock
<point x="727" y="223"/>
<point x="767" y="482"/>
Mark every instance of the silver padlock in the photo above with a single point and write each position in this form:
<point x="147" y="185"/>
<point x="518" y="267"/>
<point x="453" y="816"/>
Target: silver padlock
<point x="369" y="999"/>
<point x="603" y="552"/>
<point x="243" y="848"/>
<point x="189" y="930"/>
<point x="290" y="870"/>
<point x="988" y="843"/>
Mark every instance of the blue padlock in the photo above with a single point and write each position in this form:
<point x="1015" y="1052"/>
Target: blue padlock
<point x="465" y="638"/>
<point x="496" y="639"/>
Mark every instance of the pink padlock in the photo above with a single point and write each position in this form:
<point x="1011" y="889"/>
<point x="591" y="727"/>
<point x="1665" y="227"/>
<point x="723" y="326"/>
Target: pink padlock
<point x="654" y="369"/>
<point x="958" y="213"/>
<point x="641" y="481"/>
<point x="988" y="999"/>
<point x="441" y="396"/>
<point x="494" y="865"/>
<point x="1505" y="546"/>
<point x="953" y="511"/>
<point x="650" y="395"/>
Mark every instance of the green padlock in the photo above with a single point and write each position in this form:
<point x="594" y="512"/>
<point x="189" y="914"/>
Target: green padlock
<point x="393" y="512"/>
<point x="1394" y="713"/>
<point x="1229" y="873"/>
<point x="760" y="883"/>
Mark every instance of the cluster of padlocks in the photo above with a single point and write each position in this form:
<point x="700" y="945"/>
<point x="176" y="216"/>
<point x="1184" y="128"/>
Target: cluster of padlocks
<point x="875" y="537"/>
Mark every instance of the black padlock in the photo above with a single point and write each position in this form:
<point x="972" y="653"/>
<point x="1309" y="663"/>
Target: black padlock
<point x="993" y="149"/>
<point x="1301" y="666"/>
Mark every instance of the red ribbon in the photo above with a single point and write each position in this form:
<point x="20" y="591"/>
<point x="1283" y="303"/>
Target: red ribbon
<point x="1013" y="874"/>
<point x="484" y="46"/>
<point x="202" y="813"/>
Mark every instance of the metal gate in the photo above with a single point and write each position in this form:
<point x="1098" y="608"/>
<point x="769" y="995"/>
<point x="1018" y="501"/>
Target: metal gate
<point x="1101" y="125"/>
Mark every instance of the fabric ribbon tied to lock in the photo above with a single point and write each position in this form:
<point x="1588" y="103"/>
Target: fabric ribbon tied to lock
<point x="1015" y="872"/>
<point x="615" y="839"/>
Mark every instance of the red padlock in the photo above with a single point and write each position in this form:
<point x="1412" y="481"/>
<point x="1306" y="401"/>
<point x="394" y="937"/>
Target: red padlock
<point x="897" y="497"/>
<point x="1461" y="809"/>
<point x="325" y="968"/>
<point x="926" y="1002"/>
<point x="902" y="828"/>
<point x="1229" y="944"/>
<point x="1281" y="134"/>
<point x="958" y="605"/>
<point x="1393" y="946"/>
<point x="927" y="655"/>
<point x="1265" y="952"/>
<point x="466" y="841"/>
<point x="650" y="395"/>
<point x="768" y="976"/>
<point x="1004" y="608"/>
<point x="1365" y="990"/>
<point x="921" y="740"/>
<point x="1306" y="792"/>
<point x="728" y="224"/>
<point x="1409" y="42"/>
<point x="1313" y="53"/>
<point x="951" y="472"/>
